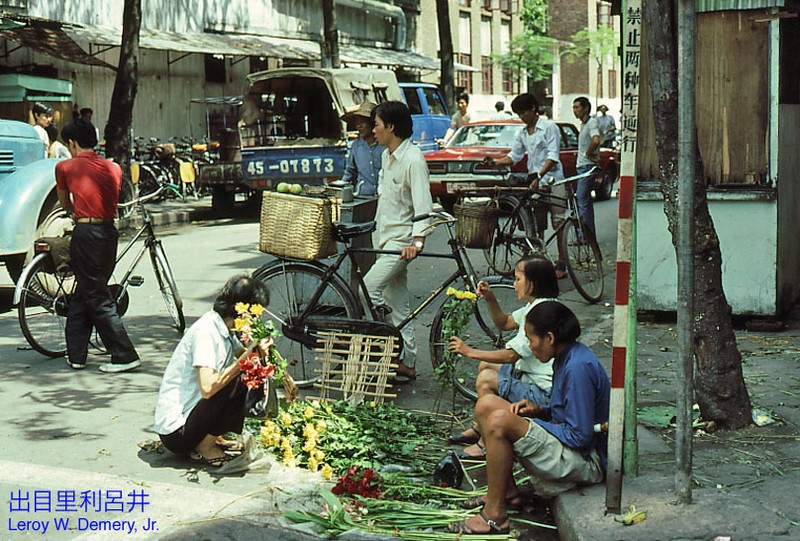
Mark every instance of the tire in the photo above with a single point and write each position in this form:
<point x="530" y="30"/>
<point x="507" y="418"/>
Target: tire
<point x="43" y="304"/>
<point x="481" y="333"/>
<point x="291" y="285"/>
<point x="52" y="221"/>
<point x="603" y="192"/>
<point x="166" y="283"/>
<point x="510" y="237"/>
<point x="584" y="261"/>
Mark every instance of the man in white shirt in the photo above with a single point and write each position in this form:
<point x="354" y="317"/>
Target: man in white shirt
<point x="588" y="157"/>
<point x="403" y="192"/>
<point x="541" y="140"/>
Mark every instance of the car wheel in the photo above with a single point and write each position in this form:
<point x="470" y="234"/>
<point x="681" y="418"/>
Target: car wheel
<point x="606" y="187"/>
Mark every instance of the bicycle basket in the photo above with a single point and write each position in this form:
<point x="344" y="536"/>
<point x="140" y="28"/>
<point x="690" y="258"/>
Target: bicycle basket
<point x="475" y="224"/>
<point x="296" y="226"/>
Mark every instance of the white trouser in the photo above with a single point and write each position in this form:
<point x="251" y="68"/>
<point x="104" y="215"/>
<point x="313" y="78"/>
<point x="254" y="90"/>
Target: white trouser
<point x="387" y="283"/>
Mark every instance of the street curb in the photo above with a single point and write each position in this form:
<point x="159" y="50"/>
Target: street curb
<point x="166" y="214"/>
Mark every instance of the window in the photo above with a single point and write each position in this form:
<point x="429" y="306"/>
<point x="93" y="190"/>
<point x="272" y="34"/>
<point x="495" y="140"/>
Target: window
<point x="612" y="84"/>
<point x="569" y="136"/>
<point x="412" y="100"/>
<point x="465" y="3"/>
<point x="604" y="14"/>
<point x="215" y="68"/>
<point x="435" y="101"/>
<point x="508" y="81"/>
<point x="486" y="70"/>
<point x="464" y="78"/>
<point x="505" y="7"/>
<point x="464" y="33"/>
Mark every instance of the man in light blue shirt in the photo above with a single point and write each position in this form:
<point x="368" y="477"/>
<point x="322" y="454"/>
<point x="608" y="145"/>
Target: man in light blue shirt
<point x="364" y="158"/>
<point x="588" y="157"/>
<point x="541" y="140"/>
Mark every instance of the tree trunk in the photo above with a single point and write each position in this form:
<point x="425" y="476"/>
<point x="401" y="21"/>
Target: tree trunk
<point x="118" y="130"/>
<point x="719" y="385"/>
<point x="331" y="34"/>
<point x="447" y="82"/>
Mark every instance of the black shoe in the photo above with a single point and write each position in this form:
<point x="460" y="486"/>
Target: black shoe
<point x="76" y="366"/>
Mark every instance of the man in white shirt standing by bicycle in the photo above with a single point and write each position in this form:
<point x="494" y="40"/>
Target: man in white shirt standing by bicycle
<point x="403" y="192"/>
<point x="588" y="157"/>
<point x="541" y="140"/>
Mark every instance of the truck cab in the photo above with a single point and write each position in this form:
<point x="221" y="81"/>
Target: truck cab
<point x="429" y="113"/>
<point x="291" y="128"/>
<point x="29" y="206"/>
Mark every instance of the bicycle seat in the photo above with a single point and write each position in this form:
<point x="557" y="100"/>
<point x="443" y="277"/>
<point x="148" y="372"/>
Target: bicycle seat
<point x="344" y="231"/>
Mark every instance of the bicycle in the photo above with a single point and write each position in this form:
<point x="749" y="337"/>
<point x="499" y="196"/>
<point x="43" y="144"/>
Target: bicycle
<point x="44" y="290"/>
<point x="306" y="297"/>
<point x="516" y="236"/>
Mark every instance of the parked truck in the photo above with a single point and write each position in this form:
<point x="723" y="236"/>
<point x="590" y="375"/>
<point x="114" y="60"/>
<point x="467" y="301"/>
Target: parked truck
<point x="290" y="127"/>
<point x="29" y="206"/>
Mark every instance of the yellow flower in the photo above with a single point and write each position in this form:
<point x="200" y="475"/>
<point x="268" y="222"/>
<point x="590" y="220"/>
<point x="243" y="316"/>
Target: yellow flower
<point x="451" y="291"/>
<point x="329" y="409"/>
<point x="327" y="472"/>
<point x="308" y="413"/>
<point x="373" y="404"/>
<point x="286" y="419"/>
<point x="290" y="461"/>
<point x="312" y="464"/>
<point x="241" y="307"/>
<point x="286" y="445"/>
<point x="257" y="310"/>
<point x="319" y="454"/>
<point x="469" y="295"/>
<point x="322" y="425"/>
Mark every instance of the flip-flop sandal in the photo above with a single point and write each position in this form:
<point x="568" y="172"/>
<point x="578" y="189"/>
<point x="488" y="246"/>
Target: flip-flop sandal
<point x="513" y="503"/>
<point x="494" y="527"/>
<point x="214" y="462"/>
<point x="231" y="446"/>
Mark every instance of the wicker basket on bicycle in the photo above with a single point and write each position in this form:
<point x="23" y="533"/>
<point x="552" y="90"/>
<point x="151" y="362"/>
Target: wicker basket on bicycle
<point x="296" y="226"/>
<point x="476" y="222"/>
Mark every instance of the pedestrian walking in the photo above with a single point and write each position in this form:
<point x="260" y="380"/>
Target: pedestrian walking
<point x="88" y="189"/>
<point x="607" y="126"/>
<point x="403" y="192"/>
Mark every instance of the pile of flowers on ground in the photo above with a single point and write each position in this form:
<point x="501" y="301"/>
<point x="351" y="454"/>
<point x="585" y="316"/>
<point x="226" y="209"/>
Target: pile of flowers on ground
<point x="332" y="436"/>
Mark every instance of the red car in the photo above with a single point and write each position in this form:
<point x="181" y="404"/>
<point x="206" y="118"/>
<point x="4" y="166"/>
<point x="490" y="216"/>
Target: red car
<point x="457" y="165"/>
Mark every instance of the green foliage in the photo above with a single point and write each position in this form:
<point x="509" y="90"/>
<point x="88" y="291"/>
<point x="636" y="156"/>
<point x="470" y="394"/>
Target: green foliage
<point x="533" y="14"/>
<point x="457" y="314"/>
<point x="529" y="54"/>
<point x="596" y="44"/>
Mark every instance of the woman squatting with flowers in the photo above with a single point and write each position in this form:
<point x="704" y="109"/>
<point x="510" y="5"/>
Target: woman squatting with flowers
<point x="202" y="394"/>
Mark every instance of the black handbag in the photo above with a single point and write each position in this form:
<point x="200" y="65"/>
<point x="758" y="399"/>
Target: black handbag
<point x="261" y="402"/>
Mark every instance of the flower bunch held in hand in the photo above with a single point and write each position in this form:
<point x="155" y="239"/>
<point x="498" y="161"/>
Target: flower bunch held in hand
<point x="359" y="482"/>
<point x="251" y="328"/>
<point x="458" y="310"/>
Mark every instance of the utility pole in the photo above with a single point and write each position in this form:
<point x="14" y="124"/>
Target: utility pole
<point x="330" y="42"/>
<point x="447" y="82"/>
<point x="687" y="146"/>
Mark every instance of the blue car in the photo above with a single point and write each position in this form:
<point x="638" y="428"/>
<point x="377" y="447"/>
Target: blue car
<point x="429" y="113"/>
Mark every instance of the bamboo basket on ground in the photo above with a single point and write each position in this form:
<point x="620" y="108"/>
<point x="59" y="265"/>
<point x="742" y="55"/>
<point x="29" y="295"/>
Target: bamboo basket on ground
<point x="476" y="222"/>
<point x="296" y="226"/>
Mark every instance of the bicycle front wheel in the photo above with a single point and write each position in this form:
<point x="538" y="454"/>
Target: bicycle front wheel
<point x="480" y="333"/>
<point x="584" y="262"/>
<point x="166" y="283"/>
<point x="43" y="304"/>
<point x="510" y="238"/>
<point x="291" y="287"/>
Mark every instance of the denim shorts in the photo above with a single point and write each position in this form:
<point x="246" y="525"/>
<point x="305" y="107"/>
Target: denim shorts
<point x="513" y="389"/>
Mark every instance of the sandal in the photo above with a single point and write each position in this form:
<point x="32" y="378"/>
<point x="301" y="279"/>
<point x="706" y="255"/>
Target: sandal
<point x="494" y="526"/>
<point x="463" y="455"/>
<point x="465" y="439"/>
<point x="231" y="446"/>
<point x="214" y="462"/>
<point x="512" y="502"/>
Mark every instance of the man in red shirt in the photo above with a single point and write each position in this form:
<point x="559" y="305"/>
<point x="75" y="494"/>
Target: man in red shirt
<point x="88" y="188"/>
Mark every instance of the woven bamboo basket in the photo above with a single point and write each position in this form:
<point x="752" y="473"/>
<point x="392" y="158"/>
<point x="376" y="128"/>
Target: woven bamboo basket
<point x="475" y="224"/>
<point x="296" y="226"/>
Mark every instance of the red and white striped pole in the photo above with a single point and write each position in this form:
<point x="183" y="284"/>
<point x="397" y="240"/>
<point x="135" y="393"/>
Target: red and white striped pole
<point x="624" y="296"/>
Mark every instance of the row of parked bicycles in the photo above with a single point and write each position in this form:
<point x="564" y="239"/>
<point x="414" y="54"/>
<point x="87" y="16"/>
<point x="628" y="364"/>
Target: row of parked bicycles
<point x="173" y="165"/>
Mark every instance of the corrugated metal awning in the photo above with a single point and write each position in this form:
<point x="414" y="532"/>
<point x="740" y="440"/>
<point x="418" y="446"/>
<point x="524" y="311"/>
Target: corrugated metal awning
<point x="48" y="37"/>
<point x="354" y="54"/>
<point x="736" y="5"/>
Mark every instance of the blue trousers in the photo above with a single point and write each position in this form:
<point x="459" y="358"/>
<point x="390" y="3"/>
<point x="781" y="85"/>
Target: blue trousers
<point x="584" y="193"/>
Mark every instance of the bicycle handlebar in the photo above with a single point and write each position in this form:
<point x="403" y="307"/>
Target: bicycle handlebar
<point x="441" y="215"/>
<point x="140" y="200"/>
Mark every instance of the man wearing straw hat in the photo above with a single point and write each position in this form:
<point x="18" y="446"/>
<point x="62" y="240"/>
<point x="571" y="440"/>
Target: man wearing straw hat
<point x="364" y="159"/>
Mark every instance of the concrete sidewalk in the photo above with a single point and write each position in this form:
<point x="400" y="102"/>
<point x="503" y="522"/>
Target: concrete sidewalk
<point x="745" y="481"/>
